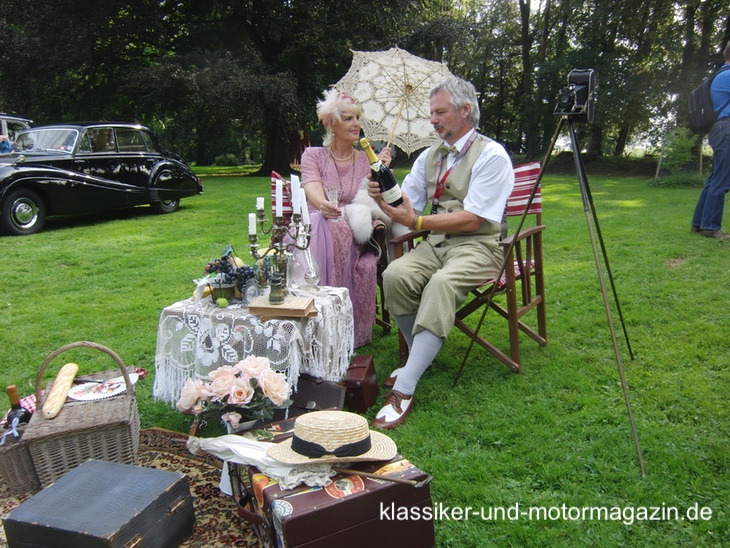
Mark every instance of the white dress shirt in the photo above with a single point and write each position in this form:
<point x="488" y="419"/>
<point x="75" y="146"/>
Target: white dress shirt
<point x="492" y="179"/>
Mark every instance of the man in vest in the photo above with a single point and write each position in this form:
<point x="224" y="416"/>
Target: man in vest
<point x="458" y="191"/>
<point x="707" y="218"/>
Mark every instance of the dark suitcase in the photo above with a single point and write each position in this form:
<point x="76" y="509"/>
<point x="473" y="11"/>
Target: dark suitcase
<point x="357" y="511"/>
<point x="315" y="394"/>
<point x="361" y="384"/>
<point x="105" y="504"/>
<point x="312" y="394"/>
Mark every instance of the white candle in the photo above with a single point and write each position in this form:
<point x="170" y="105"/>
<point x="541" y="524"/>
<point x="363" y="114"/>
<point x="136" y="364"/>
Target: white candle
<point x="305" y="209"/>
<point x="260" y="202"/>
<point x="252" y="223"/>
<point x="295" y="196"/>
<point x="279" y="199"/>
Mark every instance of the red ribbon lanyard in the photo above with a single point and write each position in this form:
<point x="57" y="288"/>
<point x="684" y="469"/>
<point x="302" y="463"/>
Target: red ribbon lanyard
<point x="441" y="183"/>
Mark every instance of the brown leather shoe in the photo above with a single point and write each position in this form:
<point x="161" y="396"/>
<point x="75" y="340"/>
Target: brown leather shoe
<point x="695" y="229"/>
<point x="394" y="412"/>
<point x="717" y="234"/>
<point x="390" y="381"/>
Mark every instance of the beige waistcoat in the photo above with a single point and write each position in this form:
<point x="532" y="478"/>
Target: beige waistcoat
<point x="454" y="193"/>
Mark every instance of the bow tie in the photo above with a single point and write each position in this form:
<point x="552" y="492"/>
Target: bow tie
<point x="448" y="149"/>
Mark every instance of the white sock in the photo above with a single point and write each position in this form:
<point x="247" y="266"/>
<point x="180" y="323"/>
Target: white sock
<point x="423" y="350"/>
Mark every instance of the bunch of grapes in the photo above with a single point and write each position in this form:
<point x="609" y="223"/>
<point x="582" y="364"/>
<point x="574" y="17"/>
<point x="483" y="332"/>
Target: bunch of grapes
<point x="223" y="266"/>
<point x="229" y="272"/>
<point x="241" y="275"/>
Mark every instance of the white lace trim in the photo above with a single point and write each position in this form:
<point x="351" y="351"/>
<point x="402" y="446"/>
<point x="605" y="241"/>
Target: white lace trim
<point x="193" y="338"/>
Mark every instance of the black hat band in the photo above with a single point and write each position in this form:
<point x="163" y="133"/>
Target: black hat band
<point x="314" y="450"/>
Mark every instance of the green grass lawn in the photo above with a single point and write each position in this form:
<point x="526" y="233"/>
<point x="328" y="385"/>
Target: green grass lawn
<point x="555" y="437"/>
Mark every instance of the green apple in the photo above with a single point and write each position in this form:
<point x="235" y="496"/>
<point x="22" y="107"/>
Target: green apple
<point x="222" y="302"/>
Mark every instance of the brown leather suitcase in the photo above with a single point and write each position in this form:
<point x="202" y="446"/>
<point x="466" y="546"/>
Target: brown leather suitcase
<point x="105" y="504"/>
<point x="357" y="511"/>
<point x="361" y="384"/>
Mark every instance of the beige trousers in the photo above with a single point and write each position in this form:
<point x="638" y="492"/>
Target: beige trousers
<point x="432" y="282"/>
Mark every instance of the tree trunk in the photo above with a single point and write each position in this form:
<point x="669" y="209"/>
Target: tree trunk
<point x="277" y="156"/>
<point x="623" y="137"/>
<point x="202" y="155"/>
<point x="594" y="146"/>
<point x="530" y="129"/>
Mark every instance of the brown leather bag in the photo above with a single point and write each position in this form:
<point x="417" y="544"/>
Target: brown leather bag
<point x="361" y="384"/>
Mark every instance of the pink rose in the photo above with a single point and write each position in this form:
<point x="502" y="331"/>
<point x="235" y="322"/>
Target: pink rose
<point x="222" y="380"/>
<point x="206" y="393"/>
<point x="190" y="394"/>
<point x="253" y="366"/>
<point x="274" y="386"/>
<point x="241" y="392"/>
<point x="233" y="418"/>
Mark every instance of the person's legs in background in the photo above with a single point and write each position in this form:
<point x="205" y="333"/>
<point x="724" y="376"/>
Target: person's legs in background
<point x="710" y="205"/>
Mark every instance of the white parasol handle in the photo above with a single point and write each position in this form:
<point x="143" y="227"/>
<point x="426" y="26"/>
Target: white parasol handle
<point x="395" y="124"/>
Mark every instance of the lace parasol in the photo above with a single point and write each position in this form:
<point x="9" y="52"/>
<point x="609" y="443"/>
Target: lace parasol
<point x="392" y="87"/>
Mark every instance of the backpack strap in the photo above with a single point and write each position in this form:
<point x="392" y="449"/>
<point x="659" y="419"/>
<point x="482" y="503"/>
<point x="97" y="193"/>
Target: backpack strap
<point x="723" y="69"/>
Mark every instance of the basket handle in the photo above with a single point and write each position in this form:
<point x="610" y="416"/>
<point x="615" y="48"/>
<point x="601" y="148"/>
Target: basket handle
<point x="80" y="344"/>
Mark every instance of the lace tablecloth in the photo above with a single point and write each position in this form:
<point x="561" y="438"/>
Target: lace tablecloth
<point x="193" y="338"/>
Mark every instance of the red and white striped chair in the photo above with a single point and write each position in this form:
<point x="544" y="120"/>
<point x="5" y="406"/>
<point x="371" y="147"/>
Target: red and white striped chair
<point x="523" y="284"/>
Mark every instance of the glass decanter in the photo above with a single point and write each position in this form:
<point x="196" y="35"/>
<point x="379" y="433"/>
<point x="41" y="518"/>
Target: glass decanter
<point x="303" y="268"/>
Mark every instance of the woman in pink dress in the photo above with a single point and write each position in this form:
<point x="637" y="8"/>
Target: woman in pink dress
<point x="331" y="176"/>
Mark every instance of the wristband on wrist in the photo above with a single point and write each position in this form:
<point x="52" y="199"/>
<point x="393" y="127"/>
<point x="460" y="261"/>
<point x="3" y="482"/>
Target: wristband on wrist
<point x="419" y="223"/>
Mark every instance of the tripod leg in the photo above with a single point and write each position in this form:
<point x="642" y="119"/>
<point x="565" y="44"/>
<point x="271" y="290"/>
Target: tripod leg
<point x="588" y="204"/>
<point x="585" y="192"/>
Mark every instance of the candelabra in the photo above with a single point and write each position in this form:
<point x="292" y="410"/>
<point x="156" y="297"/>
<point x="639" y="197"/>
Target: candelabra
<point x="299" y="233"/>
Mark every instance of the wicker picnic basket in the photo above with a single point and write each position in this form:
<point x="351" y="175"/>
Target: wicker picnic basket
<point x="16" y="466"/>
<point x="106" y="429"/>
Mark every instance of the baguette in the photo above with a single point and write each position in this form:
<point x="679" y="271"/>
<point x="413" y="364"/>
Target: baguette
<point x="55" y="400"/>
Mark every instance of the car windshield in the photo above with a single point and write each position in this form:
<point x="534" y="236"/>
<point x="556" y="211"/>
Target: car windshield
<point x="59" y="139"/>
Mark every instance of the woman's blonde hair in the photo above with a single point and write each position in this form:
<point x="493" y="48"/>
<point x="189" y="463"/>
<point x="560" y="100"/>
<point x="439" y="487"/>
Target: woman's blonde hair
<point x="331" y="109"/>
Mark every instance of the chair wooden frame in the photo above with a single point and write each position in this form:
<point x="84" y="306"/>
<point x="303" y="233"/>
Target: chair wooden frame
<point x="522" y="283"/>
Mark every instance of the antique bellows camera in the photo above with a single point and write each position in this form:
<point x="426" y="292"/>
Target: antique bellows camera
<point x="578" y="97"/>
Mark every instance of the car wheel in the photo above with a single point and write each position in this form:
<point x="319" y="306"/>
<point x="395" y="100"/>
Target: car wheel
<point x="166" y="206"/>
<point x="23" y="212"/>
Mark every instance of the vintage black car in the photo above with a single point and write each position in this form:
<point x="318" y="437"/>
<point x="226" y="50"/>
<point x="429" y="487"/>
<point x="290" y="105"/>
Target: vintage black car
<point x="87" y="167"/>
<point x="12" y="124"/>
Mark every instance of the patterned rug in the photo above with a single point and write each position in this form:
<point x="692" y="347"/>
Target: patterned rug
<point x="216" y="522"/>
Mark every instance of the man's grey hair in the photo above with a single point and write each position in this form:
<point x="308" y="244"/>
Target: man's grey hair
<point x="462" y="93"/>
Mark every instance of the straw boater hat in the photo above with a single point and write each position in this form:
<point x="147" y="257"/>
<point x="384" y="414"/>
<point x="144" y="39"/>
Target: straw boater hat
<point x="327" y="437"/>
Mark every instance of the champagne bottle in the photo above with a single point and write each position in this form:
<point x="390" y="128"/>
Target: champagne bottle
<point x="16" y="411"/>
<point x="389" y="189"/>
